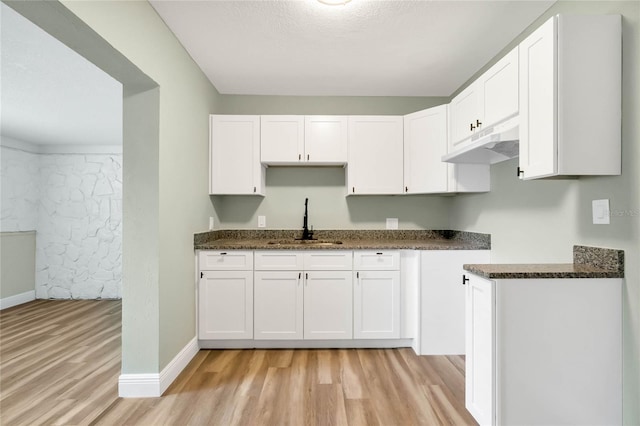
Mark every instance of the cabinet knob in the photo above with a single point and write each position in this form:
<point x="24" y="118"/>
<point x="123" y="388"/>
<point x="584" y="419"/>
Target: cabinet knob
<point x="464" y="279"/>
<point x="478" y="123"/>
<point x="471" y="127"/>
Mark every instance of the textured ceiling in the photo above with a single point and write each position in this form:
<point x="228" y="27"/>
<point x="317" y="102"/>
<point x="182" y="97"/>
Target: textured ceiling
<point x="50" y="94"/>
<point x="368" y="48"/>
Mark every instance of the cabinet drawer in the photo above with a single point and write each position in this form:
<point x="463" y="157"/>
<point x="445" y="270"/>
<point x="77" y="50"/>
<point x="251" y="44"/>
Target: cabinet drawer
<point x="328" y="260"/>
<point x="209" y="260"/>
<point x="376" y="260"/>
<point x="278" y="260"/>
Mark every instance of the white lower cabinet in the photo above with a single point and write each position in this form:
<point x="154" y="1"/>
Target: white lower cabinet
<point x="278" y="305"/>
<point x="328" y="305"/>
<point x="376" y="295"/>
<point x="225" y="295"/>
<point x="544" y="351"/>
<point x="311" y="302"/>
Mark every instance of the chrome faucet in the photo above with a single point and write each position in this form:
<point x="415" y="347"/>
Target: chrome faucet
<point x="306" y="233"/>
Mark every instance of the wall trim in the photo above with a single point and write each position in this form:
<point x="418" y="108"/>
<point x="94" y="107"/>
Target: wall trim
<point x="151" y="385"/>
<point x="17" y="299"/>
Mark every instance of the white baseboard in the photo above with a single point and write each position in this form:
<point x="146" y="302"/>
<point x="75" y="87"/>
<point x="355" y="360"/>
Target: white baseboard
<point x="18" y="299"/>
<point x="154" y="384"/>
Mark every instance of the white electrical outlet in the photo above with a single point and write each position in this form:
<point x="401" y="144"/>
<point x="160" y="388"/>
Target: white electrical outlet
<point x="392" y="223"/>
<point x="600" y="211"/>
<point x="262" y="221"/>
<point x="210" y="223"/>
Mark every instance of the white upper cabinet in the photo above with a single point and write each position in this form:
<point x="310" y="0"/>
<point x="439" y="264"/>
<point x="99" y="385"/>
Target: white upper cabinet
<point x="425" y="142"/>
<point x="464" y="113"/>
<point x="489" y="100"/>
<point x="281" y="139"/>
<point x="570" y="97"/>
<point x="234" y="155"/>
<point x="375" y="155"/>
<point x="303" y="140"/>
<point x="325" y="139"/>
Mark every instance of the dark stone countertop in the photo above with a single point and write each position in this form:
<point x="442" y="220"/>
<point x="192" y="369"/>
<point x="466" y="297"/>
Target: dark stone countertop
<point x="349" y="240"/>
<point x="588" y="262"/>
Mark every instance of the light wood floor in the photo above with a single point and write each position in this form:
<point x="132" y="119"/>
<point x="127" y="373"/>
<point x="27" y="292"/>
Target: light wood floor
<point x="60" y="360"/>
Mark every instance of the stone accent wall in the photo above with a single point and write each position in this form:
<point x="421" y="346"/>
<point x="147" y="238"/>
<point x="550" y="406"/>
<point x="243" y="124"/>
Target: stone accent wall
<point x="74" y="203"/>
<point x="79" y="232"/>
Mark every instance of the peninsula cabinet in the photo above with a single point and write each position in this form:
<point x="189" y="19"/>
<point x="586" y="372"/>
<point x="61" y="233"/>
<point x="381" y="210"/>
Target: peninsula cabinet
<point x="425" y="142"/>
<point x="225" y="295"/>
<point x="375" y="155"/>
<point x="544" y="351"/>
<point x="570" y="97"/>
<point x="376" y="294"/>
<point x="234" y="155"/>
<point x="298" y="140"/>
<point x="489" y="100"/>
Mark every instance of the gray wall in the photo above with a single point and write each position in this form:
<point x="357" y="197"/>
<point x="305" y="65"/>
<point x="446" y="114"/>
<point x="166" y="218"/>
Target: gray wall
<point x="18" y="263"/>
<point x="539" y="221"/>
<point x="287" y="187"/>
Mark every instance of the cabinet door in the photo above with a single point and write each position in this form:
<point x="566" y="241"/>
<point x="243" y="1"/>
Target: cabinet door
<point x="225" y="305"/>
<point x="234" y="161"/>
<point x="376" y="305"/>
<point x="281" y="139"/>
<point x="538" y="102"/>
<point x="325" y="139"/>
<point x="499" y="87"/>
<point x="442" y="299"/>
<point x="375" y="155"/>
<point x="278" y="304"/>
<point x="464" y="113"/>
<point x="425" y="142"/>
<point x="328" y="305"/>
<point x="480" y="356"/>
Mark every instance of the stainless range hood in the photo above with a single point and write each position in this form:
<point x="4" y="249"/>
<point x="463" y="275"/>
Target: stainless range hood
<point x="490" y="146"/>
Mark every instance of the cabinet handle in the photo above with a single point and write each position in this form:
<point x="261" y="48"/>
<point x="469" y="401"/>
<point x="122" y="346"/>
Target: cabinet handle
<point x="307" y="157"/>
<point x="464" y="279"/>
<point x="201" y="274"/>
<point x="478" y="123"/>
<point x="358" y="275"/>
<point x="379" y="254"/>
<point x="299" y="157"/>
<point x="406" y="189"/>
<point x="299" y="275"/>
<point x="224" y="253"/>
<point x="353" y="189"/>
<point x="520" y="172"/>
<point x="472" y="127"/>
<point x="254" y="189"/>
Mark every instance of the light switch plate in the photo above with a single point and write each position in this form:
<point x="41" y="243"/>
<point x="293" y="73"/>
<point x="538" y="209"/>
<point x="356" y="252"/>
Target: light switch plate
<point x="600" y="210"/>
<point x="262" y="221"/>
<point x="392" y="223"/>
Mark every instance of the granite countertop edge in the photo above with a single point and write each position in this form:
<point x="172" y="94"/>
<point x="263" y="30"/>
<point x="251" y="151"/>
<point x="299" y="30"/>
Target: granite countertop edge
<point x="350" y="240"/>
<point x="588" y="262"/>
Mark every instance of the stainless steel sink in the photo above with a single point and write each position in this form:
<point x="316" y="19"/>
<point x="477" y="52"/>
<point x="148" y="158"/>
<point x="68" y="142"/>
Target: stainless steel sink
<point x="305" y="242"/>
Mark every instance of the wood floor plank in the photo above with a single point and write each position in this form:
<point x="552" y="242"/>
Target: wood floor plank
<point x="60" y="362"/>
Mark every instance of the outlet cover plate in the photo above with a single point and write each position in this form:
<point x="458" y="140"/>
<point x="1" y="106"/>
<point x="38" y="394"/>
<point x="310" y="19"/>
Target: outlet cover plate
<point x="262" y="221"/>
<point x="392" y="223"/>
